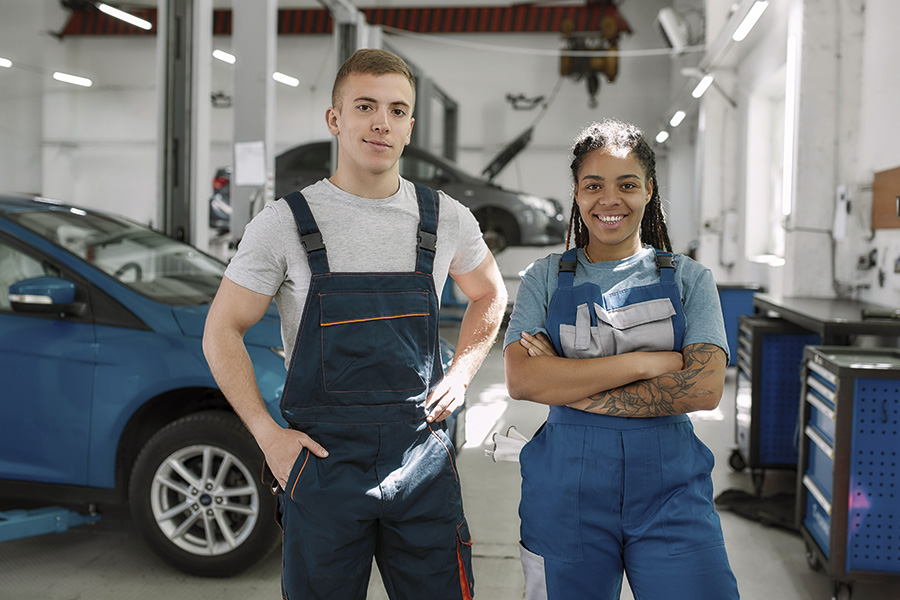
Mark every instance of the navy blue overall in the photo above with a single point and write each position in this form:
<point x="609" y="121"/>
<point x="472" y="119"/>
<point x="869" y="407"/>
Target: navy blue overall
<point x="366" y="357"/>
<point x="603" y="494"/>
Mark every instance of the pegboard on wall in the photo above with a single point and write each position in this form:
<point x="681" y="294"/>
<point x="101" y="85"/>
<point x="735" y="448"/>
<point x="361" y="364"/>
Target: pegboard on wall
<point x="873" y="542"/>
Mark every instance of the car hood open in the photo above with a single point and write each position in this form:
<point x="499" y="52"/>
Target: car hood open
<point x="509" y="152"/>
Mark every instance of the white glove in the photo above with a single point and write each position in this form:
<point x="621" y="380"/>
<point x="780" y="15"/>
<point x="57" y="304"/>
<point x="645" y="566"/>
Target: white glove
<point x="507" y="447"/>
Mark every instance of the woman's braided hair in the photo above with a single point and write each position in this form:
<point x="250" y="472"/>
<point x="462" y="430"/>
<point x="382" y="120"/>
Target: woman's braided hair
<point x="624" y="138"/>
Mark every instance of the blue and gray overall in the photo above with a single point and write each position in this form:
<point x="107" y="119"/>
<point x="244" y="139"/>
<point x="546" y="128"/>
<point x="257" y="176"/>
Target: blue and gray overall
<point x="366" y="357"/>
<point x="603" y="494"/>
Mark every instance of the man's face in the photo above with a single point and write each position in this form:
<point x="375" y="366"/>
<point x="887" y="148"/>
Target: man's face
<point x="373" y="122"/>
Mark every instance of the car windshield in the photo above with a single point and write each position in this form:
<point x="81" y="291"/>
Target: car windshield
<point x="146" y="261"/>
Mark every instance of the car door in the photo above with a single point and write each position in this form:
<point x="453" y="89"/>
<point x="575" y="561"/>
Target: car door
<point x="47" y="364"/>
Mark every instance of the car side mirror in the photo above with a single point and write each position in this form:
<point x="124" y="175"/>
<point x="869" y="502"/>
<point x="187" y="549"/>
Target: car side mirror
<point x="44" y="295"/>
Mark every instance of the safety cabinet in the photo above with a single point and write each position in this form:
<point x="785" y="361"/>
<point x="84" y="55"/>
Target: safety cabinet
<point x="848" y="483"/>
<point x="769" y="355"/>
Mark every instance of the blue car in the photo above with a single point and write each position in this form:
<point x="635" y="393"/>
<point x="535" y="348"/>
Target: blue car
<point x="106" y="395"/>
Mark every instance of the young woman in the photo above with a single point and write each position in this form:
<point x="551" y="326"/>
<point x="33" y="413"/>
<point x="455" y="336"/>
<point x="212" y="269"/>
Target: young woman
<point x="622" y="339"/>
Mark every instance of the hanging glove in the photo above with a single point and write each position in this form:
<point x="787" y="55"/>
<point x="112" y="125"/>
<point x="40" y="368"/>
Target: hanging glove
<point x="507" y="447"/>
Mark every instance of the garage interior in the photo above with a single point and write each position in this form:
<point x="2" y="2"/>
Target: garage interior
<point x="780" y="175"/>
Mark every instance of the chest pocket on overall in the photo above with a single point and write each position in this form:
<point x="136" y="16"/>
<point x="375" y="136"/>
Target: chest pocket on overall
<point x="585" y="322"/>
<point x="643" y="326"/>
<point x="374" y="341"/>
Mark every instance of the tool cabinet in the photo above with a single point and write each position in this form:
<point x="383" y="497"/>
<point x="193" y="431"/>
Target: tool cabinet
<point x="769" y="355"/>
<point x="848" y="483"/>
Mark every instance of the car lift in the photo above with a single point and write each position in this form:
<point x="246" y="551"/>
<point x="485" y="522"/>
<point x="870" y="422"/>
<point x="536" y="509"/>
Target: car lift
<point x="16" y="524"/>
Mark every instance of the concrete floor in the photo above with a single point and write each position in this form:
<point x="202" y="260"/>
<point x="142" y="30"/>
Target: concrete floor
<point x="108" y="561"/>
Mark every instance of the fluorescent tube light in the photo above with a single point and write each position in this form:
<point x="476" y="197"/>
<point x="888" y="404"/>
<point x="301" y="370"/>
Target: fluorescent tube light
<point x="124" y="16"/>
<point x="73" y="79"/>
<point x="662" y="136"/>
<point x="750" y="19"/>
<point x="224" y="56"/>
<point x="790" y="108"/>
<point x="677" y="118"/>
<point x="285" y="79"/>
<point x="5" y="62"/>
<point x="702" y="86"/>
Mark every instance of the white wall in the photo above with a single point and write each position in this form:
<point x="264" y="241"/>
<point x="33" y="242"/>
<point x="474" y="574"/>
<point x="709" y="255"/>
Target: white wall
<point x="24" y="39"/>
<point x="846" y="131"/>
<point x="97" y="145"/>
<point x="876" y="148"/>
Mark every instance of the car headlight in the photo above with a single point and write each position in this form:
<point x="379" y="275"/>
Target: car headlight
<point x="543" y="205"/>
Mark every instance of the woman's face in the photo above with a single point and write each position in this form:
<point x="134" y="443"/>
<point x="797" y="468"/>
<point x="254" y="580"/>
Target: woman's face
<point x="611" y="192"/>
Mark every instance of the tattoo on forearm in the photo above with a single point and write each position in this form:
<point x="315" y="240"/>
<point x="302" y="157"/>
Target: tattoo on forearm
<point x="664" y="395"/>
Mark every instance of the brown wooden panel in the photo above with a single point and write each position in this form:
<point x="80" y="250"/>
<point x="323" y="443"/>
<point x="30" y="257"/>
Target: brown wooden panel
<point x="886" y="199"/>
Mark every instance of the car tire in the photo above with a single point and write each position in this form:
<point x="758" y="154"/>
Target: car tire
<point x="499" y="228"/>
<point x="495" y="240"/>
<point x="197" y="498"/>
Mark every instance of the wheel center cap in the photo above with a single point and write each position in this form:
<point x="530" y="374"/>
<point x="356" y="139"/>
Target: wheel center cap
<point x="205" y="500"/>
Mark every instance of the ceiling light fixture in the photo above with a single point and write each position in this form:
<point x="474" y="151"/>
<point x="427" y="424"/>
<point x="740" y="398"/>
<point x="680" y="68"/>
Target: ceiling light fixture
<point x="73" y="79"/>
<point x="662" y="136"/>
<point x="677" y="118"/>
<point x="750" y="19"/>
<point x="124" y="16"/>
<point x="5" y="62"/>
<point x="702" y="86"/>
<point x="285" y="79"/>
<point x="224" y="56"/>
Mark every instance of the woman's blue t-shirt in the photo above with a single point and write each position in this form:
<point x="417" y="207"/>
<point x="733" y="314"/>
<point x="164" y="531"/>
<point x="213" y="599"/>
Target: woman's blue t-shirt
<point x="704" y="323"/>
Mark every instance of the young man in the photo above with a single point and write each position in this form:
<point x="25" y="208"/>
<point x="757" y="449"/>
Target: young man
<point x="355" y="264"/>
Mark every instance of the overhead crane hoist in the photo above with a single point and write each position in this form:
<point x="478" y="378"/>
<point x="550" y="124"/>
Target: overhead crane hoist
<point x="576" y="60"/>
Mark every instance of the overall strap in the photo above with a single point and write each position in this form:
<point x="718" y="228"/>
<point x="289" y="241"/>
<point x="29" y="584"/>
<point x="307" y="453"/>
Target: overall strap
<point x="309" y="233"/>
<point x="562" y="305"/>
<point x="665" y="264"/>
<point x="428" y="220"/>
<point x="567" y="264"/>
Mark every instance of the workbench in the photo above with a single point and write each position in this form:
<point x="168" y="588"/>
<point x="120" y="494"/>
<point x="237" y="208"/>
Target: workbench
<point x="769" y="358"/>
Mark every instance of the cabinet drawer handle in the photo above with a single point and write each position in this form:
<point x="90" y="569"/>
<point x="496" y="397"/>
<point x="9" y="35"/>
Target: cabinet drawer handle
<point x="821" y="388"/>
<point x="820" y="406"/>
<point x="822" y="372"/>
<point x="819" y="441"/>
<point x="818" y="495"/>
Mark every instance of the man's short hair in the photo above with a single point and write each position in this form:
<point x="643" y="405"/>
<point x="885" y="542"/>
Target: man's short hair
<point x="371" y="62"/>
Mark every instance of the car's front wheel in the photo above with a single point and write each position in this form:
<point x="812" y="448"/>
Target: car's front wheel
<point x="196" y="496"/>
<point x="498" y="227"/>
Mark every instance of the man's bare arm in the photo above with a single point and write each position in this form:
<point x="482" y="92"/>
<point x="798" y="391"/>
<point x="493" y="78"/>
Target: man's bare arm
<point x="487" y="295"/>
<point x="234" y="310"/>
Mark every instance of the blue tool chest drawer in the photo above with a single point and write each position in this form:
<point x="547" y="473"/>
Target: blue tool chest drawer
<point x="848" y="484"/>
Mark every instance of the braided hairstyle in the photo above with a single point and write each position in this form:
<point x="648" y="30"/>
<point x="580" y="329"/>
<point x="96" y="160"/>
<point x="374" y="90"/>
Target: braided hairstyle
<point x="625" y="138"/>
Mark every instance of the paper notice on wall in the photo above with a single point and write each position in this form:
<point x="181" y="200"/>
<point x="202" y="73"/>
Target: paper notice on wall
<point x="249" y="163"/>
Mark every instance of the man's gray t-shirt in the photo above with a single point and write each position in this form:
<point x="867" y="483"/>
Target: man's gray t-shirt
<point x="360" y="234"/>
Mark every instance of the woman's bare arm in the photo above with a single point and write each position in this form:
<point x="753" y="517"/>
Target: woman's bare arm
<point x="697" y="387"/>
<point x="534" y="372"/>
